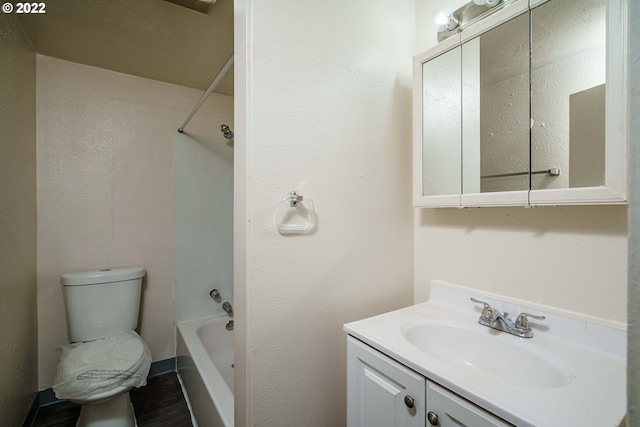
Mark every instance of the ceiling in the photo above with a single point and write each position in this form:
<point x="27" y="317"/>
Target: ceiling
<point x="155" y="39"/>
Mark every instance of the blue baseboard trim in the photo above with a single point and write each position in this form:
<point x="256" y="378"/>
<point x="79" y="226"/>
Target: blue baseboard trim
<point x="47" y="397"/>
<point x="162" y="367"/>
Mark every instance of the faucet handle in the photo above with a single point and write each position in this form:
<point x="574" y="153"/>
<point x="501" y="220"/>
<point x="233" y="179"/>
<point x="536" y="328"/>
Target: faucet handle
<point x="226" y="306"/>
<point x="489" y="313"/>
<point x="486" y="305"/>
<point x="523" y="323"/>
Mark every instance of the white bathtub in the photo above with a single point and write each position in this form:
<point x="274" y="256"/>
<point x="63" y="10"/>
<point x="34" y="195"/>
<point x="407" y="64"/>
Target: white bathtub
<point x="205" y="366"/>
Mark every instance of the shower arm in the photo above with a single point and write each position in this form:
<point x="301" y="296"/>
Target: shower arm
<point x="205" y="95"/>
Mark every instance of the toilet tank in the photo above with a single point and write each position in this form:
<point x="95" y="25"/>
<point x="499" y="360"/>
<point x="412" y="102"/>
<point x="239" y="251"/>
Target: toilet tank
<point x="101" y="303"/>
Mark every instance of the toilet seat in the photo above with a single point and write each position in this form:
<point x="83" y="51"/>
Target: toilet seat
<point x="97" y="370"/>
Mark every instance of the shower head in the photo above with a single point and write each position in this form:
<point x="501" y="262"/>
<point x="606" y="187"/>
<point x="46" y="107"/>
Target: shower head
<point x="226" y="131"/>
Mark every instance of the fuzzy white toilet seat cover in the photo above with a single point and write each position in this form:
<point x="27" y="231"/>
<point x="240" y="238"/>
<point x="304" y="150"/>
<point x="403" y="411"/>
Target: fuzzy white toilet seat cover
<point x="95" y="367"/>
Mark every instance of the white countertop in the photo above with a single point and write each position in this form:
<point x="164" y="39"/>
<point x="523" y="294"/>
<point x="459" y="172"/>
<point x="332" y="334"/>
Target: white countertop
<point x="592" y="350"/>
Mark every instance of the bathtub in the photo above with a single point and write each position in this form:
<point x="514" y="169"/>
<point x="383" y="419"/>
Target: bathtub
<point x="205" y="367"/>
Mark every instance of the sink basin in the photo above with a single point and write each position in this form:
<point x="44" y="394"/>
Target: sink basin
<point x="482" y="352"/>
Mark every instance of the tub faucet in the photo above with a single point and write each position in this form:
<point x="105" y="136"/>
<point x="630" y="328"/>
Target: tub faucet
<point x="215" y="294"/>
<point x="492" y="318"/>
<point x="226" y="306"/>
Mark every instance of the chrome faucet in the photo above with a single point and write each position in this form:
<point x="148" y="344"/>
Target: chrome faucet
<point x="494" y="319"/>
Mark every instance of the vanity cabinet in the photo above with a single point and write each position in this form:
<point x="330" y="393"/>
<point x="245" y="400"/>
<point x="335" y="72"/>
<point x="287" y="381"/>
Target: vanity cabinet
<point x="383" y="393"/>
<point x="524" y="107"/>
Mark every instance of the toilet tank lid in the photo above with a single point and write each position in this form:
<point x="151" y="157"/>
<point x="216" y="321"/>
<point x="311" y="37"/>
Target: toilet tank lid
<point x="105" y="275"/>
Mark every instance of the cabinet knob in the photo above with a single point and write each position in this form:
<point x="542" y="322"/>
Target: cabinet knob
<point x="433" y="418"/>
<point x="408" y="400"/>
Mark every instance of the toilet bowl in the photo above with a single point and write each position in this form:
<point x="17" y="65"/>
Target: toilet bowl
<point x="114" y="412"/>
<point x="106" y="357"/>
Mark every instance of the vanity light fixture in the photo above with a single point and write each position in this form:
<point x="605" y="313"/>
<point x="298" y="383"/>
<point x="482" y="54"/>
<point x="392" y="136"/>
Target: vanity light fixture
<point x="450" y="23"/>
<point x="447" y="21"/>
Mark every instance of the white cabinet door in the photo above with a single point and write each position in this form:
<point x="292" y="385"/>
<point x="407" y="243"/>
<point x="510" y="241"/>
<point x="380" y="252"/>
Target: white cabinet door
<point x="380" y="391"/>
<point x="453" y="411"/>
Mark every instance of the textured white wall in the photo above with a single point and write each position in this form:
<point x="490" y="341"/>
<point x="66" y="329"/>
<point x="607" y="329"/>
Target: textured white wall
<point x="569" y="257"/>
<point x="328" y="113"/>
<point x="18" y="318"/>
<point x="105" y="190"/>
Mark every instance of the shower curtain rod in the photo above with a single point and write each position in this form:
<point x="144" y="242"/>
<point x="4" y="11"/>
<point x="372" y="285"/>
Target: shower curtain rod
<point x="205" y="95"/>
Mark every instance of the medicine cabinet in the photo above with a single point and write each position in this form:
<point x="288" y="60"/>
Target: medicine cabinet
<point x="525" y="107"/>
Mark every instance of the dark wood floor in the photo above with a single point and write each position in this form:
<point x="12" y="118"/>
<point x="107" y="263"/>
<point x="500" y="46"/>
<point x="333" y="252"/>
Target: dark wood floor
<point x="159" y="404"/>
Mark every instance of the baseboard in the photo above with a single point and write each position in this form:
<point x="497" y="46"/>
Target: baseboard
<point x="47" y="397"/>
<point x="162" y="367"/>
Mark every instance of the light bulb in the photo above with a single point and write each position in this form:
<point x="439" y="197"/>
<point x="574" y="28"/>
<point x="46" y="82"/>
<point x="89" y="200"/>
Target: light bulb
<point x="442" y="18"/>
<point x="446" y="21"/>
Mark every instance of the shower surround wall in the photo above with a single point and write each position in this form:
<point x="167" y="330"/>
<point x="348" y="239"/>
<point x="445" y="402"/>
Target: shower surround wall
<point x="203" y="177"/>
<point x="105" y="190"/>
<point x="18" y="317"/>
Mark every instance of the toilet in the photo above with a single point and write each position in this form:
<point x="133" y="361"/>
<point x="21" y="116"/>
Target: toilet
<point x="106" y="357"/>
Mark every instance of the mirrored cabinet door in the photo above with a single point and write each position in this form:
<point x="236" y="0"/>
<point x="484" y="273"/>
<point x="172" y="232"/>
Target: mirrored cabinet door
<point x="578" y="142"/>
<point x="439" y="152"/>
<point x="568" y="74"/>
<point x="495" y="110"/>
<point x="442" y="105"/>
